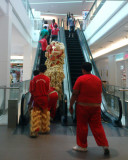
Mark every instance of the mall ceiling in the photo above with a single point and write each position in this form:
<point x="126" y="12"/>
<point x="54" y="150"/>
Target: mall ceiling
<point x="60" y="8"/>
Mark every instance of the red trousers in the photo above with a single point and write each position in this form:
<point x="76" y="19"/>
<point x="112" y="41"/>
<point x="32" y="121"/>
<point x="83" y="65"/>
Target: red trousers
<point x="89" y="115"/>
<point x="52" y="102"/>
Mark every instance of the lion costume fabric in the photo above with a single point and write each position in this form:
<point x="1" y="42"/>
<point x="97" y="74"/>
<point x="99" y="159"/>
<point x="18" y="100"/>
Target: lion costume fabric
<point x="40" y="120"/>
<point x="55" y="60"/>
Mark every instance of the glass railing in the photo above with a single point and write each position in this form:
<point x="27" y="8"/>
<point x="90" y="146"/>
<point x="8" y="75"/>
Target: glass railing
<point x="92" y="13"/>
<point x="29" y="10"/>
<point x="37" y="58"/>
<point x="23" y="86"/>
<point x="8" y="93"/>
<point x="14" y="92"/>
<point x="122" y="93"/>
<point x="111" y="105"/>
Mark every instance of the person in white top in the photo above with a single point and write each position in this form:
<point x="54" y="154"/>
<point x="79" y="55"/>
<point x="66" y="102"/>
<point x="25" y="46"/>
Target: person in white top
<point x="46" y="24"/>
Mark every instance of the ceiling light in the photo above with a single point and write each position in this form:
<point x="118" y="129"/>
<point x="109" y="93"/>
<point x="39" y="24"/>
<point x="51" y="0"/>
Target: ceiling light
<point x="61" y="2"/>
<point x="47" y="13"/>
<point x="17" y="57"/>
<point x="110" y="48"/>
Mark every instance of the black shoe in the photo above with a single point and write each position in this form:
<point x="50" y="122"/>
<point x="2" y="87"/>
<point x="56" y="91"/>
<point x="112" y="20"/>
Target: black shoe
<point x="106" y="152"/>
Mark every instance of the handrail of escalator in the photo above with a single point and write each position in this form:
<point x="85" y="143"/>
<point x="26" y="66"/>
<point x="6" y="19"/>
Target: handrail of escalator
<point x="67" y="80"/>
<point x="89" y="57"/>
<point x="24" y="117"/>
<point x="94" y="7"/>
<point x="62" y="39"/>
<point x="109" y="117"/>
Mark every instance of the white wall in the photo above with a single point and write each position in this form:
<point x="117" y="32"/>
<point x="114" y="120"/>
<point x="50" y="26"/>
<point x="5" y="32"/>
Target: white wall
<point x="5" y="46"/>
<point x="102" y="66"/>
<point x="20" y="11"/>
<point x="107" y="17"/>
<point x="3" y="7"/>
<point x="27" y="62"/>
<point x="15" y="40"/>
<point x="107" y="69"/>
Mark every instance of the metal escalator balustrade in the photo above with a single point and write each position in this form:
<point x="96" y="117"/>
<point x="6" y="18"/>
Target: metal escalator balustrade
<point x="108" y="100"/>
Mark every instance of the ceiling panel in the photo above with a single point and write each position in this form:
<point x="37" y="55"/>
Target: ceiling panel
<point x="119" y="32"/>
<point x="63" y="8"/>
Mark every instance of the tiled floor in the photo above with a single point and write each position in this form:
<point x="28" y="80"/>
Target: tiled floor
<point x="16" y="145"/>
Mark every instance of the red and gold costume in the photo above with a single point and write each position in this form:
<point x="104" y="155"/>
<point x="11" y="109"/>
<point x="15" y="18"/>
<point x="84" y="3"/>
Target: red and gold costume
<point x="40" y="116"/>
<point x="55" y="60"/>
<point x="52" y="101"/>
<point x="88" y="110"/>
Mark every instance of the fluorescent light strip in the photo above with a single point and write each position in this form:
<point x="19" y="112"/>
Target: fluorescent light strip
<point x="17" y="57"/>
<point x="53" y="14"/>
<point x="56" y="2"/>
<point x="112" y="47"/>
<point x="47" y="13"/>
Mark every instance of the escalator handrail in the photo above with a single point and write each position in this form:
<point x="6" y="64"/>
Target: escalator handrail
<point x="62" y="36"/>
<point x="89" y="52"/>
<point x="22" y="107"/>
<point x="86" y="47"/>
<point x="118" y="119"/>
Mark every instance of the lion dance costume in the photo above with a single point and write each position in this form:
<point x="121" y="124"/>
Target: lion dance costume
<point x="40" y="116"/>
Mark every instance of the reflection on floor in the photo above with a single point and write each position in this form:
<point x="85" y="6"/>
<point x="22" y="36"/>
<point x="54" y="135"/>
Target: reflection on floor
<point x="16" y="145"/>
<point x="4" y="119"/>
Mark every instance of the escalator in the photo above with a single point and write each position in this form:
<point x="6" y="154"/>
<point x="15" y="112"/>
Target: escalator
<point x="77" y="51"/>
<point x="75" y="56"/>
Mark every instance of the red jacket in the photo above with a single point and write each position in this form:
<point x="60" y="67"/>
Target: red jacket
<point x="53" y="25"/>
<point x="43" y="44"/>
<point x="55" y="31"/>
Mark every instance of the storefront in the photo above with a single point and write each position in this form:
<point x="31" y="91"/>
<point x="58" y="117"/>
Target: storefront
<point x="16" y="71"/>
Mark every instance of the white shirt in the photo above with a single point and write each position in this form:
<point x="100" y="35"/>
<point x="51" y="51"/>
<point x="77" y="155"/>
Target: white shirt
<point x="47" y="25"/>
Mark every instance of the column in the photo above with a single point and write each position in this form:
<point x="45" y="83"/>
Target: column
<point x="27" y="62"/>
<point x="5" y="47"/>
<point x="111" y="70"/>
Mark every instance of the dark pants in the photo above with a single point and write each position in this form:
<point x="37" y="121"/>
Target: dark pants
<point x="54" y="37"/>
<point x="42" y="57"/>
<point x="48" y="38"/>
<point x="72" y="29"/>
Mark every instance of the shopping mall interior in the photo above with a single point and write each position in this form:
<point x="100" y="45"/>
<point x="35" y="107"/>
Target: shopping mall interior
<point x="100" y="36"/>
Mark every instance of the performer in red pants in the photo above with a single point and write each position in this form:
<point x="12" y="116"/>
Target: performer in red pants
<point x="87" y="94"/>
<point x="40" y="116"/>
<point x="52" y="102"/>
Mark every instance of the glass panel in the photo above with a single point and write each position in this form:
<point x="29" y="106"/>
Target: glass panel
<point x="2" y="101"/>
<point x="28" y="9"/>
<point x="14" y="94"/>
<point x="93" y="11"/>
